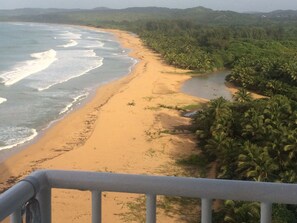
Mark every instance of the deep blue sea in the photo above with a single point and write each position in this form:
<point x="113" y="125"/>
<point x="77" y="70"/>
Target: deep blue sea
<point x="48" y="70"/>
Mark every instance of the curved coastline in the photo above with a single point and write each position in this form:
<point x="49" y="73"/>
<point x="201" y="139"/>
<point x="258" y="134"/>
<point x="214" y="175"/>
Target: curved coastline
<point x="119" y="130"/>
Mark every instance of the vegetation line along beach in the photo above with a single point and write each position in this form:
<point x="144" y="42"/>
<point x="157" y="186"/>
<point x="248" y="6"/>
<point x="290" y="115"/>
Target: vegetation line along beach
<point x="134" y="124"/>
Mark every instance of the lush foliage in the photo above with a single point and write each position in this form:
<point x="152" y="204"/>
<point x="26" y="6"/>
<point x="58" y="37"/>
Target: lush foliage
<point x="206" y="48"/>
<point x="250" y="140"/>
<point x="268" y="76"/>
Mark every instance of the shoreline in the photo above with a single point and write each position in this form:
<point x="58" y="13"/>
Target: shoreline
<point x="121" y="129"/>
<point x="7" y="153"/>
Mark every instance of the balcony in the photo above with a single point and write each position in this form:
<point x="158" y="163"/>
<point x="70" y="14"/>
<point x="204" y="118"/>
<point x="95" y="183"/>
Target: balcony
<point x="37" y="187"/>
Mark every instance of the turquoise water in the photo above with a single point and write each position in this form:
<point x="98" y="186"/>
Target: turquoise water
<point x="208" y="86"/>
<point x="48" y="70"/>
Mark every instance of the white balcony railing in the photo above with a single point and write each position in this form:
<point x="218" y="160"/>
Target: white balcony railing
<point x="39" y="184"/>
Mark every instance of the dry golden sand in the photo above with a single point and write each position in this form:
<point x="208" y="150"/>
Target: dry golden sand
<point x="122" y="129"/>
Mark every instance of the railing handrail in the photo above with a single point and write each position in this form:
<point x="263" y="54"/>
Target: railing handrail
<point x="175" y="186"/>
<point x="263" y="192"/>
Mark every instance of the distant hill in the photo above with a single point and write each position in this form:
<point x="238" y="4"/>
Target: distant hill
<point x="101" y="9"/>
<point x="33" y="11"/>
<point x="100" y="16"/>
<point x="282" y="14"/>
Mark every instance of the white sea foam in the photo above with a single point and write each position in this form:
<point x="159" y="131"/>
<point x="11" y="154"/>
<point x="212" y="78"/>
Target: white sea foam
<point x="94" y="44"/>
<point x="100" y="63"/>
<point x="22" y="70"/>
<point x="16" y="136"/>
<point x="70" y="35"/>
<point x="71" y="43"/>
<point x="2" y="100"/>
<point x="92" y="38"/>
<point x="71" y="64"/>
<point x="90" y="53"/>
<point x="135" y="61"/>
<point x="100" y="39"/>
<point x="75" y="101"/>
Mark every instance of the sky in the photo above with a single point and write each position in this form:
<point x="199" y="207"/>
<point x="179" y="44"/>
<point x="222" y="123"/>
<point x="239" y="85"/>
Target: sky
<point x="234" y="5"/>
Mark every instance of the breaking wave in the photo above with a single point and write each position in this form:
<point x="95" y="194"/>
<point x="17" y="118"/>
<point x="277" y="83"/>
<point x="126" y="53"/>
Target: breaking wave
<point x="15" y="136"/>
<point x="2" y="100"/>
<point x="22" y="70"/>
<point x="71" y="43"/>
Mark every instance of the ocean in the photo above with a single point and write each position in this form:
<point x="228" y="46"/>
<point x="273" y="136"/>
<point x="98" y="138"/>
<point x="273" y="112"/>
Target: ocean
<point x="47" y="70"/>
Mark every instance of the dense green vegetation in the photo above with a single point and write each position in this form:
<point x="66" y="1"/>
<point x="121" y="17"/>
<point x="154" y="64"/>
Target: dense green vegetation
<point x="262" y="59"/>
<point x="206" y="48"/>
<point x="250" y="140"/>
<point x="245" y="139"/>
<point x="267" y="75"/>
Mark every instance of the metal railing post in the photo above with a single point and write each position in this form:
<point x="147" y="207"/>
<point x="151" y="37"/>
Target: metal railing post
<point x="16" y="217"/>
<point x="266" y="212"/>
<point x="96" y="207"/>
<point x="13" y="198"/>
<point x="206" y="210"/>
<point x="151" y="200"/>
<point x="38" y="186"/>
<point x="44" y="199"/>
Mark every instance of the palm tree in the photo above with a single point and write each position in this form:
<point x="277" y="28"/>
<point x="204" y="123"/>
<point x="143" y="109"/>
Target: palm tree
<point x="242" y="96"/>
<point x="219" y="108"/>
<point x="255" y="163"/>
<point x="239" y="211"/>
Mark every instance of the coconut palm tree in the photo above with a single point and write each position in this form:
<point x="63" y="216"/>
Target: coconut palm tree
<point x="242" y="96"/>
<point x="255" y="163"/>
<point x="239" y="211"/>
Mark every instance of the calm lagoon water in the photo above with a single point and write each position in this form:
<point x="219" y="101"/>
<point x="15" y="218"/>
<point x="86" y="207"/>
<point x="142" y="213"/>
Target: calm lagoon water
<point x="208" y="86"/>
<point x="47" y="70"/>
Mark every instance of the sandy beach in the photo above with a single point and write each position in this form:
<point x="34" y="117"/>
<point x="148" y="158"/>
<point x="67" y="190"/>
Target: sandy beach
<point x="126" y="128"/>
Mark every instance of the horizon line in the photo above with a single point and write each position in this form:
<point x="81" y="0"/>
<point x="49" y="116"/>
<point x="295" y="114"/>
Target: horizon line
<point x="108" y="8"/>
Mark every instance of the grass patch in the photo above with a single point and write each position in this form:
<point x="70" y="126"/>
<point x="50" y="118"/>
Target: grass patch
<point x="171" y="107"/>
<point x="151" y="153"/>
<point x="151" y="135"/>
<point x="136" y="211"/>
<point x="152" y="108"/>
<point x="132" y="103"/>
<point x="166" y="131"/>
<point x="149" y="98"/>
<point x="181" y="209"/>
<point x="195" y="162"/>
<point x="195" y="72"/>
<point x="192" y="107"/>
